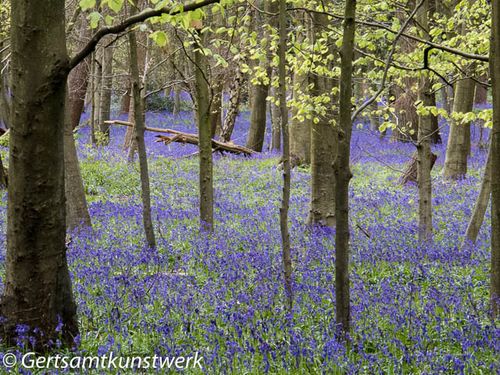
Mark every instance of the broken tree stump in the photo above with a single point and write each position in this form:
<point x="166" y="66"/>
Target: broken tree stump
<point x="181" y="137"/>
<point x="410" y="173"/>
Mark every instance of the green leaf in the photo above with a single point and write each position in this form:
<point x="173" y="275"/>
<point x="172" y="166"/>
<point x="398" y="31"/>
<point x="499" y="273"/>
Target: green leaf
<point x="160" y="38"/>
<point x="87" y="4"/>
<point x="94" y="18"/>
<point x="115" y="5"/>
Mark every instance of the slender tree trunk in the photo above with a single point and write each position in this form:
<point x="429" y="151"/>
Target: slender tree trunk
<point x="205" y="139"/>
<point x="343" y="172"/>
<point x="96" y="97"/>
<point x="216" y="112"/>
<point x="37" y="289"/>
<point x="323" y="147"/>
<point x="481" y="204"/>
<point x="106" y="91"/>
<point x="234" y="106"/>
<point x="457" y="150"/>
<point x="275" y="123"/>
<point x="139" y="138"/>
<point x="3" y="175"/>
<point x="77" y="213"/>
<point x="424" y="164"/>
<point x="78" y="81"/>
<point x="285" y="234"/>
<point x="495" y="156"/>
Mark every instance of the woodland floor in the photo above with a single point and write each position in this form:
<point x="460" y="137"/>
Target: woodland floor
<point x="419" y="310"/>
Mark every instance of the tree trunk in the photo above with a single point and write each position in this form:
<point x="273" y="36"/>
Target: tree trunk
<point x="4" y="93"/>
<point x="285" y="202"/>
<point x="106" y="91"/>
<point x="258" y="116"/>
<point x="495" y="169"/>
<point x="216" y="112"/>
<point x="96" y="96"/>
<point x="481" y="96"/>
<point x="78" y="81"/>
<point x="424" y="148"/>
<point x="204" y="131"/>
<point x="457" y="150"/>
<point x="139" y="138"/>
<point x="481" y="204"/>
<point x="234" y="106"/>
<point x="77" y="213"/>
<point x="37" y="289"/>
<point x="125" y="103"/>
<point x="343" y="172"/>
<point x="275" y="123"/>
<point x="3" y="175"/>
<point x="300" y="130"/>
<point x="323" y="147"/>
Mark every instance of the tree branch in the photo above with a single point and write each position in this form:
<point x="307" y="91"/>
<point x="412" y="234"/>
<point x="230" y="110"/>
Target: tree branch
<point x="138" y="18"/>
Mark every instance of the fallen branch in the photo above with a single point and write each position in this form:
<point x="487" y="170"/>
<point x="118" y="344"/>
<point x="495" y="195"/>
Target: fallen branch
<point x="181" y="137"/>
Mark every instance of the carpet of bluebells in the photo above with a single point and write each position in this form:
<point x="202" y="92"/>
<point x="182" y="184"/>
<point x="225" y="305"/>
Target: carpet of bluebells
<point x="415" y="309"/>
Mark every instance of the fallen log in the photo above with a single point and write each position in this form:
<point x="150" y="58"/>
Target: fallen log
<point x="181" y="137"/>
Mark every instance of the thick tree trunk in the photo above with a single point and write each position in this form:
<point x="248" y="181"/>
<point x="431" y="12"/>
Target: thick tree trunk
<point x="300" y="130"/>
<point x="285" y="202"/>
<point x="37" y="289"/>
<point x="106" y="91"/>
<point x="323" y="148"/>
<point x="205" y="140"/>
<point x="424" y="148"/>
<point x="343" y="173"/>
<point x="457" y="150"/>
<point x="125" y="102"/>
<point x="139" y="138"/>
<point x="77" y="213"/>
<point x="481" y="204"/>
<point x="495" y="169"/>
<point x="258" y="116"/>
<point x="481" y="96"/>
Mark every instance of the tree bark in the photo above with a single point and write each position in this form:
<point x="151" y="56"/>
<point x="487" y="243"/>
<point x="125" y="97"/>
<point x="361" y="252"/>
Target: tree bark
<point x="37" y="289"/>
<point x="78" y="80"/>
<point x="424" y="148"/>
<point x="3" y="175"/>
<point x="139" y="138"/>
<point x="457" y="150"/>
<point x="205" y="140"/>
<point x="234" y="106"/>
<point x="481" y="204"/>
<point x="77" y="213"/>
<point x="258" y="116"/>
<point x="106" y="91"/>
<point x="343" y="172"/>
<point x="275" y="123"/>
<point x="285" y="202"/>
<point x="323" y="147"/>
<point x="300" y="130"/>
<point x="495" y="169"/>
